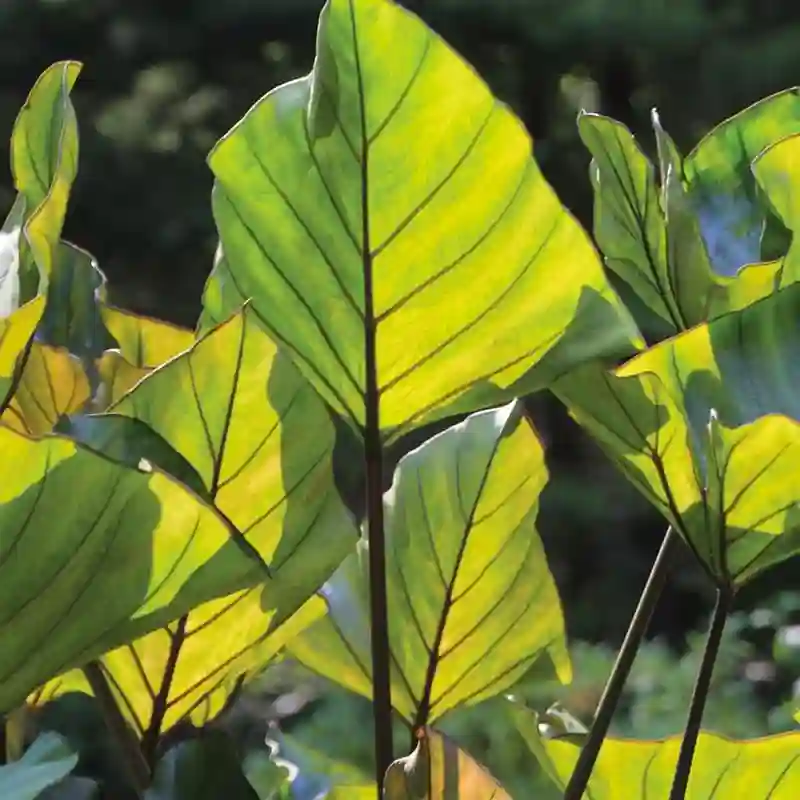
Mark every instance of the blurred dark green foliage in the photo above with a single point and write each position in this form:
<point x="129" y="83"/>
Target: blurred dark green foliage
<point x="164" y="78"/>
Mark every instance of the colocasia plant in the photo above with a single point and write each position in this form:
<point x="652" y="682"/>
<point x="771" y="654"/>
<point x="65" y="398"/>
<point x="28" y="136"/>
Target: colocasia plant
<point x="180" y="509"/>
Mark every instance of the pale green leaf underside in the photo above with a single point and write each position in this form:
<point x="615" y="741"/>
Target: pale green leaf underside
<point x="471" y="598"/>
<point x="762" y="769"/>
<point x="79" y="578"/>
<point x="403" y="204"/>
<point x="45" y="762"/>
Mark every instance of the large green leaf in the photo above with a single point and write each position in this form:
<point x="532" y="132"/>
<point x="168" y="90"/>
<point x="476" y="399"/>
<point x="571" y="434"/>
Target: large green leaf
<point x="261" y="442"/>
<point x="439" y="770"/>
<point x="680" y="243"/>
<point x="394" y="231"/>
<point x="761" y="769"/>
<point x="44" y="162"/>
<point x="46" y="762"/>
<point x="472" y="602"/>
<point x="706" y="426"/>
<point x="79" y="577"/>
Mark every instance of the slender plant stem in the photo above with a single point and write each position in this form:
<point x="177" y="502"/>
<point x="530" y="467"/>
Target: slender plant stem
<point x="132" y="756"/>
<point x="700" y="694"/>
<point x="616" y="682"/>
<point x="379" y="617"/>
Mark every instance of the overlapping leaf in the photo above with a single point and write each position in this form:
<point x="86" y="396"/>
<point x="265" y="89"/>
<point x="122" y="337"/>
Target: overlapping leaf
<point x="706" y="426"/>
<point x="52" y="384"/>
<point x="44" y="162"/>
<point x="44" y="148"/>
<point x="144" y="344"/>
<point x="471" y="600"/>
<point x="46" y="762"/>
<point x="93" y="554"/>
<point x="72" y="318"/>
<point x="439" y="770"/>
<point x="757" y="768"/>
<point x="680" y="243"/>
<point x="261" y="441"/>
<point x="396" y="235"/>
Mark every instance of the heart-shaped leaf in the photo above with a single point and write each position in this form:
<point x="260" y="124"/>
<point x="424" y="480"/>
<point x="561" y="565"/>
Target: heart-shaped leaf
<point x="472" y="602"/>
<point x="360" y="207"/>
<point x="439" y="770"/>
<point x="78" y="578"/>
<point x="707" y="426"/>
<point x="757" y="768"/>
<point x="261" y="442"/>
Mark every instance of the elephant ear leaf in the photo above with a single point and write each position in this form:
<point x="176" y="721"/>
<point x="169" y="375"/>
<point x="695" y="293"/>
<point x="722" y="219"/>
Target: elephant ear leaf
<point x="766" y="767"/>
<point x="707" y="426"/>
<point x="439" y="770"/>
<point x="471" y="598"/>
<point x="260" y="441"/>
<point x="44" y="151"/>
<point x="78" y="579"/>
<point x="689" y="240"/>
<point x="360" y="207"/>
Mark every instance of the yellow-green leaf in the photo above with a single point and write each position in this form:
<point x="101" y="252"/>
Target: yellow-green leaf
<point x="472" y="602"/>
<point x="78" y="578"/>
<point x="631" y="768"/>
<point x="53" y="383"/>
<point x="261" y="441"/>
<point x="439" y="770"/>
<point x="44" y="162"/>
<point x="689" y="245"/>
<point x="396" y="235"/>
<point x="16" y="331"/>
<point x="145" y="342"/>
<point x="706" y="426"/>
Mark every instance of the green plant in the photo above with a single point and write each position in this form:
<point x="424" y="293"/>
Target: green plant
<point x="177" y="512"/>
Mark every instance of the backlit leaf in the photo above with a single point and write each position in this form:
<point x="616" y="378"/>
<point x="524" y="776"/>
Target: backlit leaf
<point x="472" y="602"/>
<point x="398" y="213"/>
<point x="52" y="384"/>
<point x="78" y="578"/>
<point x="707" y="426"/>
<point x="261" y="442"/>
<point x="15" y="334"/>
<point x="439" y="770"/>
<point x="756" y="768"/>
<point x="689" y="244"/>
<point x="144" y="344"/>
<point x="44" y="162"/>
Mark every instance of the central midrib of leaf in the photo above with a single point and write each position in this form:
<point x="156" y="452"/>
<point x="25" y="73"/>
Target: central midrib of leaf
<point x="424" y="709"/>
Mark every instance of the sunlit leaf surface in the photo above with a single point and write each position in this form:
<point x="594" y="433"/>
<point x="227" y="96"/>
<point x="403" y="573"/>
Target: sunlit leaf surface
<point x="398" y="213"/>
<point x="472" y="602"/>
